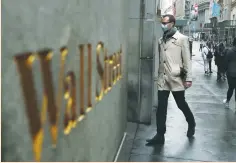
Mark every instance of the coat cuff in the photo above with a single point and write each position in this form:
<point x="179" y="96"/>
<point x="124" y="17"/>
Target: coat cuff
<point x="189" y="79"/>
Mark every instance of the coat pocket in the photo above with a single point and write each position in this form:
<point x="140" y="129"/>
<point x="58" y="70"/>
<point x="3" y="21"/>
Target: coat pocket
<point x="175" y="70"/>
<point x="160" y="79"/>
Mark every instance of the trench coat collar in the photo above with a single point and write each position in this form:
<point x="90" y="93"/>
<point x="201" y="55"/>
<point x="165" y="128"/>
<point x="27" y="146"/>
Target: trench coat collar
<point x="175" y="36"/>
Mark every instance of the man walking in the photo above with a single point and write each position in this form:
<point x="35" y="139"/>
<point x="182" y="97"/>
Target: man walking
<point x="205" y="51"/>
<point x="219" y="60"/>
<point x="230" y="68"/>
<point x="174" y="76"/>
<point x="201" y="46"/>
<point x="209" y="58"/>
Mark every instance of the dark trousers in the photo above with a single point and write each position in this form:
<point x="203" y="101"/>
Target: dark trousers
<point x="220" y="72"/>
<point x="210" y="61"/>
<point x="162" y="109"/>
<point x="232" y="87"/>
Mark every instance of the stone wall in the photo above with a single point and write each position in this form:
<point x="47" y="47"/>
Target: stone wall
<point x="31" y="25"/>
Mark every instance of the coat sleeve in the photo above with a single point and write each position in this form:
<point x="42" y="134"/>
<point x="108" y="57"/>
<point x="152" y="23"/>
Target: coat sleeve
<point x="157" y="57"/>
<point x="186" y="58"/>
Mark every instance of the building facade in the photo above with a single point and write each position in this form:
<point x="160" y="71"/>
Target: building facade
<point x="233" y="10"/>
<point x="166" y="7"/>
<point x="75" y="31"/>
<point x="203" y="15"/>
<point x="223" y="27"/>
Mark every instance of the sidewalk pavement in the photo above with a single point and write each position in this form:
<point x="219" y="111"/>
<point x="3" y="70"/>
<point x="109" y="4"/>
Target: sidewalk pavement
<point x="215" y="138"/>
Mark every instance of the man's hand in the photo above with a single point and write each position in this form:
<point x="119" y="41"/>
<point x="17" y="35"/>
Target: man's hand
<point x="187" y="84"/>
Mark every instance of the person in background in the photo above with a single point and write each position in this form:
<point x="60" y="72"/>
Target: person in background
<point x="224" y="76"/>
<point x="215" y="45"/>
<point x="201" y="45"/>
<point x="209" y="57"/>
<point x="209" y="44"/>
<point x="219" y="61"/>
<point x="205" y="59"/>
<point x="216" y="56"/>
<point x="174" y="75"/>
<point x="191" y="46"/>
<point x="230" y="69"/>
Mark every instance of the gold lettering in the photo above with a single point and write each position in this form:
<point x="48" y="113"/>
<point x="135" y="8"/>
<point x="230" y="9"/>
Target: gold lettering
<point x="114" y="68"/>
<point x="118" y="65"/>
<point x="24" y="65"/>
<point x="100" y="71"/>
<point x="108" y="73"/>
<point x="45" y="60"/>
<point x="70" y="96"/>
<point x="82" y="110"/>
<point x="61" y="83"/>
<point x="89" y="78"/>
<point x="120" y="62"/>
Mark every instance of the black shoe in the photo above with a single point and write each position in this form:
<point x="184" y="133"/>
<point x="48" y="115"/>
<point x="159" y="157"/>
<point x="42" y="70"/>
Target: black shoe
<point x="157" y="139"/>
<point x="211" y="72"/>
<point x="191" y="131"/>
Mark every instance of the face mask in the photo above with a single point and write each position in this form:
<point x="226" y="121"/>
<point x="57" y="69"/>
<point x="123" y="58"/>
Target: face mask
<point x="164" y="27"/>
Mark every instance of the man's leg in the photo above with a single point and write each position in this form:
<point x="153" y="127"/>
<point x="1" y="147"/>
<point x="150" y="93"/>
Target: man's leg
<point x="218" y="72"/>
<point x="210" y="66"/>
<point x="207" y="66"/>
<point x="204" y="64"/>
<point x="235" y="91"/>
<point x="162" y="111"/>
<point x="160" y="118"/>
<point x="231" y="88"/>
<point x="234" y="81"/>
<point x="183" y="106"/>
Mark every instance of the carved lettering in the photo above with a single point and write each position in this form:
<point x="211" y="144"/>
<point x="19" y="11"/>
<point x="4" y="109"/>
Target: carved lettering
<point x="24" y="65"/>
<point x="70" y="95"/>
<point x="81" y="88"/>
<point x="45" y="60"/>
<point x="120" y="63"/>
<point x="108" y="72"/>
<point x="89" y="78"/>
<point x="114" y="58"/>
<point x="100" y="71"/>
<point x="106" y="75"/>
<point x="61" y="83"/>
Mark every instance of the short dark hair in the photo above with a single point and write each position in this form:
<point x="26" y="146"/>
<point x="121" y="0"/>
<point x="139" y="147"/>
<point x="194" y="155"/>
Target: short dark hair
<point x="234" y="41"/>
<point x="171" y="18"/>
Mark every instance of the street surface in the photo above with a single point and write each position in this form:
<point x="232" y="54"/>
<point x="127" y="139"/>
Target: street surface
<point x="215" y="137"/>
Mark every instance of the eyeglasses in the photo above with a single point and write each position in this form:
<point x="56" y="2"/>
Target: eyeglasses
<point x="164" y="23"/>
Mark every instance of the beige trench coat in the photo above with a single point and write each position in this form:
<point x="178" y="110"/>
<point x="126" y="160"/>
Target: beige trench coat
<point x="174" y="55"/>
